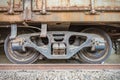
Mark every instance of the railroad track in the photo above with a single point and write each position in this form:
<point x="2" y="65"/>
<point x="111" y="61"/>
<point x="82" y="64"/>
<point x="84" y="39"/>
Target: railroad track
<point x="59" y="66"/>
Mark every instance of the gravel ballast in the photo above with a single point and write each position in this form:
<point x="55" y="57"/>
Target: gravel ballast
<point x="61" y="75"/>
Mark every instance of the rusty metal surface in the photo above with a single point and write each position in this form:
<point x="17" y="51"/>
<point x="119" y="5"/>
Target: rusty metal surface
<point x="58" y="66"/>
<point x="76" y="10"/>
<point x="78" y="17"/>
<point x="18" y="5"/>
<point x="10" y="18"/>
<point x="77" y="5"/>
<point x="6" y="4"/>
<point x="107" y="4"/>
<point x="60" y="5"/>
<point x="64" y="17"/>
<point x="27" y="14"/>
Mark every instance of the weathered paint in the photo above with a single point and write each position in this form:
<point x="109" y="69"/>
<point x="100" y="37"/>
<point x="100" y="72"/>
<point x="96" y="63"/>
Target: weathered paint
<point x="60" y="5"/>
<point x="107" y="4"/>
<point x="5" y="5"/>
<point x="27" y="8"/>
<point x="76" y="4"/>
<point x="64" y="17"/>
<point x="18" y="5"/>
<point x="27" y="14"/>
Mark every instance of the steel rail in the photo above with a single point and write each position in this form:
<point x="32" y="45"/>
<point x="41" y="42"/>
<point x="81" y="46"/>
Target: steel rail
<point x="59" y="66"/>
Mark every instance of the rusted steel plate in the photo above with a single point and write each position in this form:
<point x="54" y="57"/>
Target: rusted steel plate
<point x="18" y="5"/>
<point x="78" y="17"/>
<point x="64" y="17"/>
<point x="27" y="14"/>
<point x="62" y="5"/>
<point x="10" y="18"/>
<point x="5" y="5"/>
<point x="107" y="4"/>
<point x="68" y="5"/>
<point x="59" y="66"/>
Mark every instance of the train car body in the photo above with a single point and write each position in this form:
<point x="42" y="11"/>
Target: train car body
<point x="59" y="29"/>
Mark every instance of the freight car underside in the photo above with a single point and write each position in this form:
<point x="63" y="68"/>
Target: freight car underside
<point x="60" y="35"/>
<point x="85" y="35"/>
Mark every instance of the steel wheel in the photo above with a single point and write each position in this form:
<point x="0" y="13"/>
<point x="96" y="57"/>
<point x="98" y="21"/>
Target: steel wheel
<point x="89" y="56"/>
<point x="20" y="57"/>
<point x="27" y="57"/>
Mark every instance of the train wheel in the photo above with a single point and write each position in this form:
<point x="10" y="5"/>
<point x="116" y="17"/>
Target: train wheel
<point x="27" y="57"/>
<point x="100" y="56"/>
<point x="17" y="57"/>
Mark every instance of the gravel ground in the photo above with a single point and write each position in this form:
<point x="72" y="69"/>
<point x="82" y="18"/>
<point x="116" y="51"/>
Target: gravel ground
<point x="61" y="75"/>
